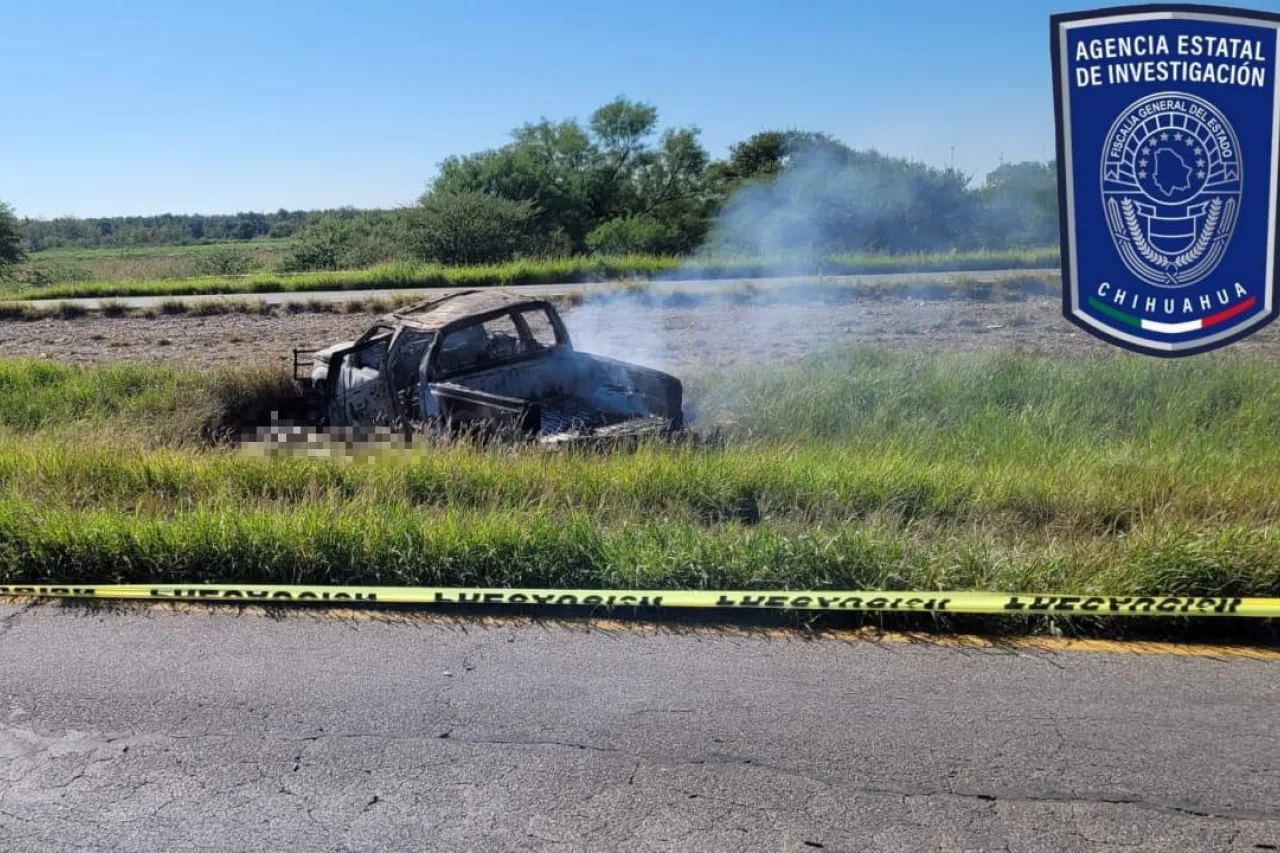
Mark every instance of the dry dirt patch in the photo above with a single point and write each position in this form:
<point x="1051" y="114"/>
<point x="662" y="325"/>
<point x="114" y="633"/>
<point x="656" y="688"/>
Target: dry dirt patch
<point x="709" y="335"/>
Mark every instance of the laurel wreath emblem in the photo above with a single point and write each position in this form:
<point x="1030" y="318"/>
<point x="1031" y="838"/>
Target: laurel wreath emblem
<point x="1154" y="256"/>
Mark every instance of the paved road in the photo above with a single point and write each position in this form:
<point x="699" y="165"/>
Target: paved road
<point x="160" y="730"/>
<point x="690" y="286"/>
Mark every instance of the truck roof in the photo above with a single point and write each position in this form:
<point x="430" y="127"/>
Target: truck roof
<point x="434" y="314"/>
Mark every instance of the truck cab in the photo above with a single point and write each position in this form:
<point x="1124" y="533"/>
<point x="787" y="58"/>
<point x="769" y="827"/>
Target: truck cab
<point x="491" y="359"/>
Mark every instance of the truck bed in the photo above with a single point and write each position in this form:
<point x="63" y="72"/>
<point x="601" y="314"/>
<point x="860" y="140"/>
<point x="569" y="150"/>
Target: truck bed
<point x="571" y="391"/>
<point x="565" y="413"/>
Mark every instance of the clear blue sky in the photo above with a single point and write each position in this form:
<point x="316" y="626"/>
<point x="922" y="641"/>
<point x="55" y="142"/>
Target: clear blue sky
<point x="150" y="107"/>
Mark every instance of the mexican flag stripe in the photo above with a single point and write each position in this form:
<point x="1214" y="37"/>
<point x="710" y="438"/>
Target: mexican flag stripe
<point x="1172" y="328"/>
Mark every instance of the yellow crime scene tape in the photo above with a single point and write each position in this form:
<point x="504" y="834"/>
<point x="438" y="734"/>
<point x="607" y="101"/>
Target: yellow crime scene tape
<point x="879" y="601"/>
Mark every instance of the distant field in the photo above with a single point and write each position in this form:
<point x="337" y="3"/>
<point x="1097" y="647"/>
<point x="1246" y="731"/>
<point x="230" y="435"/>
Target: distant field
<point x="261" y="244"/>
<point x="860" y="469"/>
<point x="146" y="263"/>
<point x="529" y="272"/>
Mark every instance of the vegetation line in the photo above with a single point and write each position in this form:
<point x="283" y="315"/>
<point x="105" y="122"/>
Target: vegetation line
<point x="561" y="271"/>
<point x="1006" y="288"/>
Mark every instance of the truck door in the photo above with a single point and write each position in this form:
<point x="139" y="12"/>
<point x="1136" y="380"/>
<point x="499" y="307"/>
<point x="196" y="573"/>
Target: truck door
<point x="361" y="392"/>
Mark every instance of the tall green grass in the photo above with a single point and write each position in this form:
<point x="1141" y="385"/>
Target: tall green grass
<point x="857" y="469"/>
<point x="135" y="402"/>
<point x="1069" y="494"/>
<point x="555" y="271"/>
<point x="398" y="545"/>
<point x="65" y="266"/>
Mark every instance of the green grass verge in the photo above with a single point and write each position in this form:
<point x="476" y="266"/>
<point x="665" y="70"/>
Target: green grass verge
<point x="401" y="545"/>
<point x="558" y="271"/>
<point x="858" y="469"/>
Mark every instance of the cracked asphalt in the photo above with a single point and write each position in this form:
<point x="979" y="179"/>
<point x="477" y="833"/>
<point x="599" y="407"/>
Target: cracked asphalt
<point x="157" y="729"/>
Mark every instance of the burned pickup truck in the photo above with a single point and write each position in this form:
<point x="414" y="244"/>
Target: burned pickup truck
<point x="486" y="360"/>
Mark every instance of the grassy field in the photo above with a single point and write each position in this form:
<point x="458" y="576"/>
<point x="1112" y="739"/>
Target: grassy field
<point x="194" y="250"/>
<point x="536" y="272"/>
<point x="146" y="263"/>
<point x="861" y="469"/>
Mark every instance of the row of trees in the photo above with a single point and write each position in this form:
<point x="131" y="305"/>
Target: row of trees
<point x="167" y="229"/>
<point x="619" y="183"/>
<point x="795" y="190"/>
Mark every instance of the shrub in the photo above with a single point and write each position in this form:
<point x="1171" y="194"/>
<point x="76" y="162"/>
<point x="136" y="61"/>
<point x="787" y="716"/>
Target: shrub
<point x="634" y="235"/>
<point x="226" y="260"/>
<point x="44" y="272"/>
<point x="469" y="227"/>
<point x="345" y="242"/>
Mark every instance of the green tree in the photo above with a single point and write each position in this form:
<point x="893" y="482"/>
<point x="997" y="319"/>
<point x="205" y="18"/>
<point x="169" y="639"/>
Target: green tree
<point x="1020" y="205"/>
<point x="810" y="193"/>
<point x="767" y="153"/>
<point x="636" y="234"/>
<point x="577" y="178"/>
<point x="13" y="242"/>
<point x="469" y="227"/>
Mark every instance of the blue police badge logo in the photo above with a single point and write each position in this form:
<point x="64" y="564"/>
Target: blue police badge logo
<point x="1168" y="131"/>
<point x="1171" y="187"/>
